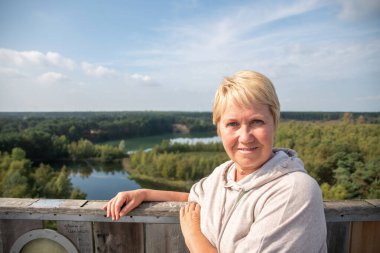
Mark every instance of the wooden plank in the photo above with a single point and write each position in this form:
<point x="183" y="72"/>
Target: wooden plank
<point x="338" y="237"/>
<point x="66" y="206"/>
<point x="365" y="237"/>
<point x="162" y="209"/>
<point x="350" y="210"/>
<point x="166" y="238"/>
<point x="10" y="230"/>
<point x="375" y="202"/>
<point x="335" y="211"/>
<point x="85" y="207"/>
<point x="16" y="202"/>
<point x="118" y="237"/>
<point x="80" y="234"/>
<point x="59" y="203"/>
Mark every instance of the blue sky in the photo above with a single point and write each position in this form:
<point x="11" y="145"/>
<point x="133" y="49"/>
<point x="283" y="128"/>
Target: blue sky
<point x="171" y="55"/>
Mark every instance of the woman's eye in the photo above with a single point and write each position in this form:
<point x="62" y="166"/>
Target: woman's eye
<point x="232" y="124"/>
<point x="257" y="122"/>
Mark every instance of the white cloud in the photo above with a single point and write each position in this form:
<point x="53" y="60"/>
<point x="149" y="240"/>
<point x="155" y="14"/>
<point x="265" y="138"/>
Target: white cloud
<point x="97" y="70"/>
<point x="52" y="77"/>
<point x="57" y="60"/>
<point x="10" y="73"/>
<point x="139" y="77"/>
<point x="34" y="58"/>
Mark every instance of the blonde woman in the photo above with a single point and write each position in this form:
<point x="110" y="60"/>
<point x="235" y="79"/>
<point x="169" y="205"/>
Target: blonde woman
<point x="262" y="200"/>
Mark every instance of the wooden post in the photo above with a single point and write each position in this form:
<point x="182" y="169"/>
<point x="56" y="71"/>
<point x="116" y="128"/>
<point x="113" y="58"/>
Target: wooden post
<point x="338" y="237"/>
<point x="165" y="238"/>
<point x="10" y="230"/>
<point x="79" y="233"/>
<point x="118" y="237"/>
<point x="365" y="237"/>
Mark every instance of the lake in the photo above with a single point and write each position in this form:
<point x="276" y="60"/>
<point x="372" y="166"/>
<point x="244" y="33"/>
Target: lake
<point x="103" y="181"/>
<point x="103" y="186"/>
<point x="138" y="143"/>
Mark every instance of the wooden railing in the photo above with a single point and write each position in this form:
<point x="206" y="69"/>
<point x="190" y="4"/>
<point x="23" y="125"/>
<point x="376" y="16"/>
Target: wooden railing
<point x="81" y="226"/>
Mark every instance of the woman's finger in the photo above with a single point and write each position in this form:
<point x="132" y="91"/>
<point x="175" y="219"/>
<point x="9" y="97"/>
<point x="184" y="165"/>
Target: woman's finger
<point x="192" y="206"/>
<point x="113" y="209"/>
<point x="118" y="204"/>
<point x="109" y="208"/>
<point x="197" y="208"/>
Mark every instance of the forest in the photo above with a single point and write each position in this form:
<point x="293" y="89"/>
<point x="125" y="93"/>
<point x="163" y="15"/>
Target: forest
<point x="340" y="150"/>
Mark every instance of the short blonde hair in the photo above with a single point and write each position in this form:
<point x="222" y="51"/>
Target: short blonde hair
<point x="244" y="88"/>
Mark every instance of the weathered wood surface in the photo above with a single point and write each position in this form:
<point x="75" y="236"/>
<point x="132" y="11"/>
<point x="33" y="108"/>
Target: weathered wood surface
<point x="10" y="230"/>
<point x="79" y="233"/>
<point x="365" y="237"/>
<point x="352" y="210"/>
<point x="338" y="237"/>
<point x="83" y="210"/>
<point x="164" y="238"/>
<point x="353" y="226"/>
<point x="118" y="237"/>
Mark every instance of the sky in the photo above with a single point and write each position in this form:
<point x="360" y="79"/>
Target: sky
<point x="171" y="55"/>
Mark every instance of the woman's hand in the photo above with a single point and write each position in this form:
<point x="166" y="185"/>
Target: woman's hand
<point x="190" y="219"/>
<point x="131" y="199"/>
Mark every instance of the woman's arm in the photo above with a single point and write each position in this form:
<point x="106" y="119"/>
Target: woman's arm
<point x="190" y="225"/>
<point x="132" y="199"/>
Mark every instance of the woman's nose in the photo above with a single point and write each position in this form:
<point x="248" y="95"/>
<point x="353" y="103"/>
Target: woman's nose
<point x="245" y="135"/>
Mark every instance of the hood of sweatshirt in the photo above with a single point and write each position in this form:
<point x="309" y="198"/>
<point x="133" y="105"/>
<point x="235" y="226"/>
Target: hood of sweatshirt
<point x="283" y="162"/>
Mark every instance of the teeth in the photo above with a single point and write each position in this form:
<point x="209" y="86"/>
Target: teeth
<point x="247" y="149"/>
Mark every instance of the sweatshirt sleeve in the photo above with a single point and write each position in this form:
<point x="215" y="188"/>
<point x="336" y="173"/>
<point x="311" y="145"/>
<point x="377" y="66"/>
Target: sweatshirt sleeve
<point x="291" y="220"/>
<point x="197" y="191"/>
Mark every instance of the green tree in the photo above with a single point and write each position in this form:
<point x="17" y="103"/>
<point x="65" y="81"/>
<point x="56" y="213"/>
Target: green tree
<point x="18" y="154"/>
<point x="122" y="146"/>
<point x="15" y="183"/>
<point x="81" y="149"/>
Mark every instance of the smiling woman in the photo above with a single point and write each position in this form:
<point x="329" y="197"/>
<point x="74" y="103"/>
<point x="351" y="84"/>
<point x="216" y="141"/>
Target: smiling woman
<point x="247" y="136"/>
<point x="247" y="127"/>
<point x="262" y="200"/>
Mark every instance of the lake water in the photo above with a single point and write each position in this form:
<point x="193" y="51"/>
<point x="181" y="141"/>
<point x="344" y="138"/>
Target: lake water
<point x="102" y="182"/>
<point x="103" y="186"/>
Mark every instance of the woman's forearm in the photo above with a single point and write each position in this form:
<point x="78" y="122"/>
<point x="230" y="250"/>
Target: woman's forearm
<point x="198" y="243"/>
<point x="126" y="201"/>
<point x="190" y="218"/>
<point x="157" y="195"/>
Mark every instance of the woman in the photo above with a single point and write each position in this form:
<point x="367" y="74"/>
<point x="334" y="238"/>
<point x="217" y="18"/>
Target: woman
<point x="262" y="200"/>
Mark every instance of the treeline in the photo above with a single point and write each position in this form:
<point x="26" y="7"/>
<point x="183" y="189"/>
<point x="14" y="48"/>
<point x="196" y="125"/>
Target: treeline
<point x="103" y="126"/>
<point x="352" y="117"/>
<point x="341" y="152"/>
<point x="344" y="158"/>
<point x="45" y="136"/>
<point x="40" y="146"/>
<point x="178" y="161"/>
<point x="19" y="178"/>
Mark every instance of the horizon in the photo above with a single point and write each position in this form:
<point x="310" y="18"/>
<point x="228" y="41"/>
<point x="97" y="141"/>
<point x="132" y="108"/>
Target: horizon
<point x="176" y="111"/>
<point x="69" y="56"/>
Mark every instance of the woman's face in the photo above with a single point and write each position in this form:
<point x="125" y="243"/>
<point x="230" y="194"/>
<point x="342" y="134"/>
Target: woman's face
<point x="247" y="135"/>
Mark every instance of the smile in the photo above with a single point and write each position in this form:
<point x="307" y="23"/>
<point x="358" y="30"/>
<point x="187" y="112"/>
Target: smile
<point x="247" y="149"/>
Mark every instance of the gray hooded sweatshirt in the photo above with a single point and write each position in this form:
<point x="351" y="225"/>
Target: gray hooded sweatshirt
<point x="278" y="208"/>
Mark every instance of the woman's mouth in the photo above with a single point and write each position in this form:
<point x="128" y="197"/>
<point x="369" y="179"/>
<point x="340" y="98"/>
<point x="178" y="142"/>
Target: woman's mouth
<point x="247" y="150"/>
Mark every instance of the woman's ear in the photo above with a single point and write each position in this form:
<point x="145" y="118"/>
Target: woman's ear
<point x="218" y="129"/>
